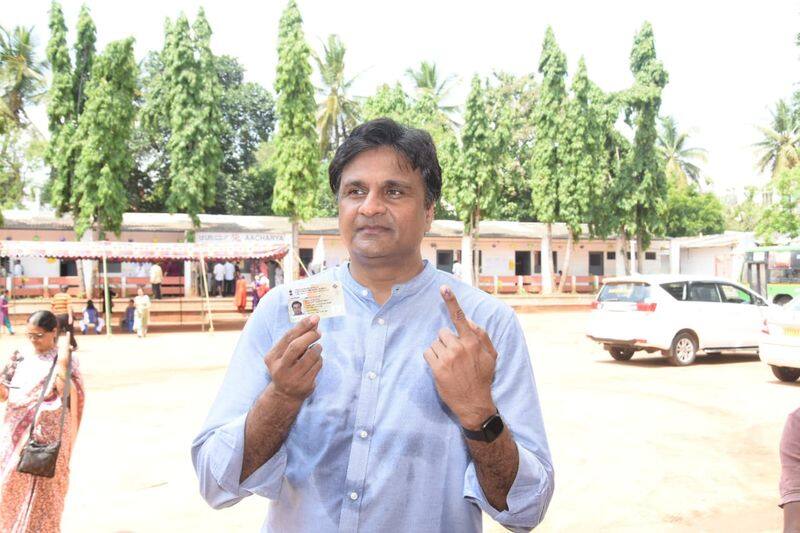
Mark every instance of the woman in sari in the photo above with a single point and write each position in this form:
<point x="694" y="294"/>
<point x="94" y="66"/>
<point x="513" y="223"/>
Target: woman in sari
<point x="31" y="503"/>
<point x="240" y="295"/>
<point x="141" y="317"/>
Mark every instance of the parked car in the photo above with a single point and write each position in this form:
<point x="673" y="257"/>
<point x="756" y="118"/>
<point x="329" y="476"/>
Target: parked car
<point x="780" y="341"/>
<point x="678" y="316"/>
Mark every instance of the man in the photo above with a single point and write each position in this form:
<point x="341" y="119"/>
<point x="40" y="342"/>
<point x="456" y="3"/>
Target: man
<point x="297" y="308"/>
<point x="61" y="305"/>
<point x="156" y="277"/>
<point x="458" y="270"/>
<point x="425" y="411"/>
<point x="790" y="473"/>
<point x="219" y="278"/>
<point x="18" y="271"/>
<point x="230" y="275"/>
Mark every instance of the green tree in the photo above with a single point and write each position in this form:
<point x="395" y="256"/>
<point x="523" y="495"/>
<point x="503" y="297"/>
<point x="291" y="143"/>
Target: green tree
<point x="428" y="80"/>
<point x="691" y="212"/>
<point x="248" y="114"/>
<point x="195" y="122"/>
<point x="84" y="57"/>
<point x="744" y="215"/>
<point x="782" y="217"/>
<point x="60" y="114"/>
<point x="338" y="113"/>
<point x="583" y="154"/>
<point x="295" y="156"/>
<point x="679" y="159"/>
<point x="644" y="170"/>
<point x="547" y="160"/>
<point x="474" y="190"/>
<point x="511" y="101"/>
<point x="390" y="102"/>
<point x="104" y="132"/>
<point x="22" y="79"/>
<point x="781" y="140"/>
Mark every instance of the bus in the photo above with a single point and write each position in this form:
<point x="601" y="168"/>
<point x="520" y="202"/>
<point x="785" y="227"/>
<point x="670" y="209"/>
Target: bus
<point x="773" y="272"/>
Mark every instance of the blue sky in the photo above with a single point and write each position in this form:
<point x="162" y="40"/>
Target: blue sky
<point x="727" y="63"/>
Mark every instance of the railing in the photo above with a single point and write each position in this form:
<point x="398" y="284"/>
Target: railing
<point x="533" y="284"/>
<point x="46" y="287"/>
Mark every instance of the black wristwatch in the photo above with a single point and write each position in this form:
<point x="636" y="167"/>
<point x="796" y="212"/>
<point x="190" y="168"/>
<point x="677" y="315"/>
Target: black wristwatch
<point x="491" y="428"/>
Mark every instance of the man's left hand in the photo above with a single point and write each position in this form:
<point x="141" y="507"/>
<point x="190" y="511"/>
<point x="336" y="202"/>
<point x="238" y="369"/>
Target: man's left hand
<point x="463" y="366"/>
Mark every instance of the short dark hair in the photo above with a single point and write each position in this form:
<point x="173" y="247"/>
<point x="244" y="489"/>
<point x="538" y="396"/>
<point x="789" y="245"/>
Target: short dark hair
<point x="414" y="145"/>
<point x="298" y="303"/>
<point x="43" y="319"/>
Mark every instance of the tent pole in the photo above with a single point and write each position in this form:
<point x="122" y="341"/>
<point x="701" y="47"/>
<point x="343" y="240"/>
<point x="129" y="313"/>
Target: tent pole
<point x="205" y="289"/>
<point x="105" y="289"/>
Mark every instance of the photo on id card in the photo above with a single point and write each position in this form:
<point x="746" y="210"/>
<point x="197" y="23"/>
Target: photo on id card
<point x="322" y="298"/>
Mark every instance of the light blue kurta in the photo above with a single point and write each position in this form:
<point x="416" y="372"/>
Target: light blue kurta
<point x="374" y="448"/>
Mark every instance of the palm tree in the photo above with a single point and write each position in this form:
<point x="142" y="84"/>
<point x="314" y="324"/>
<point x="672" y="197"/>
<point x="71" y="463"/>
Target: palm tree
<point x="426" y="79"/>
<point x="781" y="140"/>
<point x="679" y="159"/>
<point x="21" y="73"/>
<point x="338" y="113"/>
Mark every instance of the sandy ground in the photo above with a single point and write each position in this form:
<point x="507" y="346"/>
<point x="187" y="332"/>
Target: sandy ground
<point x="638" y="446"/>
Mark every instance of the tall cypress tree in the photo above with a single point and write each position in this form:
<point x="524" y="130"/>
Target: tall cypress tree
<point x="643" y="170"/>
<point x="547" y="163"/>
<point x="474" y="190"/>
<point x="60" y="112"/>
<point x="84" y="57"/>
<point x="296" y="157"/>
<point x="192" y="105"/>
<point x="584" y="162"/>
<point x="104" y="133"/>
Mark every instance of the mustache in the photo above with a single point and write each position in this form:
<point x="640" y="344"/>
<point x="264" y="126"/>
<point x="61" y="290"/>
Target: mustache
<point x="362" y="224"/>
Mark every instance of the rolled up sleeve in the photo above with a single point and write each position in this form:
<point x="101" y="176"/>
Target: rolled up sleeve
<point x="218" y="462"/>
<point x="218" y="449"/>
<point x="514" y="393"/>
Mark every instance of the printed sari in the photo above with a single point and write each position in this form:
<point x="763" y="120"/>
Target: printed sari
<point x="29" y="503"/>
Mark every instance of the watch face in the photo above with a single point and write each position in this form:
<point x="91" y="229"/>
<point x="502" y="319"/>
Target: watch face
<point x="493" y="428"/>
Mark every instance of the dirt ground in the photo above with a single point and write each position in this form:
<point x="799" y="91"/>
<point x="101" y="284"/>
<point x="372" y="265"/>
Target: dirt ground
<point x="637" y="446"/>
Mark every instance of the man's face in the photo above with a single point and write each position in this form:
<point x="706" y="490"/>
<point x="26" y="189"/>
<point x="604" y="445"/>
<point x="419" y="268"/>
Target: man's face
<point x="297" y="308"/>
<point x="382" y="213"/>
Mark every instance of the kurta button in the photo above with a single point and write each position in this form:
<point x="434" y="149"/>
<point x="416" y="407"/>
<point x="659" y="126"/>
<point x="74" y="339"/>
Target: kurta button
<point x="364" y="292"/>
<point x="353" y="496"/>
<point x="381" y="321"/>
<point x="363" y="434"/>
<point x="372" y="375"/>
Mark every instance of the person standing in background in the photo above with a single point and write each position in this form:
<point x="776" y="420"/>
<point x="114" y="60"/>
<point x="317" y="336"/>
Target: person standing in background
<point x="219" y="278"/>
<point x="18" y="271"/>
<point x="5" y="319"/>
<point x="156" y="277"/>
<point x="61" y="305"/>
<point x="230" y="274"/>
<point x="142" y="315"/>
<point x="790" y="473"/>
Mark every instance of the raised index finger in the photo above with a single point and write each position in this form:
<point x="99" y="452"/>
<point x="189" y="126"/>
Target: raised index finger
<point x="457" y="315"/>
<point x="300" y="329"/>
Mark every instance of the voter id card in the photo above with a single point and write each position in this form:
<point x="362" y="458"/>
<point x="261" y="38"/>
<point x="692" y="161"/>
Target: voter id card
<point x="322" y="298"/>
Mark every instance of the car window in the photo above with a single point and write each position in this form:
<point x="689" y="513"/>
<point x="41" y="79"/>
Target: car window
<point x="734" y="295"/>
<point x="677" y="290"/>
<point x="624" y="292"/>
<point x="703" y="292"/>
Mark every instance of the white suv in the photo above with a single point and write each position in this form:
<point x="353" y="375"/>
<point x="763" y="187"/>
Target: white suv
<point x="676" y="315"/>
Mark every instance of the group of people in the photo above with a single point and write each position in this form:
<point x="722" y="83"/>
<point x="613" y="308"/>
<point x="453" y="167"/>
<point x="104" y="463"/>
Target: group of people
<point x="230" y="281"/>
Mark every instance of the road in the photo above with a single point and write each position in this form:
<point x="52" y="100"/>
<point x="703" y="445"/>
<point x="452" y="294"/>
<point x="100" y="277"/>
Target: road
<point x="637" y="446"/>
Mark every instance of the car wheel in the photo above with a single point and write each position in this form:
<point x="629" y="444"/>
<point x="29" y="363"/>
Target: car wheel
<point x="684" y="349"/>
<point x="785" y="373"/>
<point x="621" y="353"/>
<point x="783" y="299"/>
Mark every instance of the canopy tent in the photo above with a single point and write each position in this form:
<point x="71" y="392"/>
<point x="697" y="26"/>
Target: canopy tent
<point x="138" y="251"/>
<point x="142" y="251"/>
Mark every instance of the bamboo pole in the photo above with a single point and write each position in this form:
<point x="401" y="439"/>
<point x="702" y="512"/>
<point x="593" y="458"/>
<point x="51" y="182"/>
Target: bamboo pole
<point x="205" y="288"/>
<point x="106" y="300"/>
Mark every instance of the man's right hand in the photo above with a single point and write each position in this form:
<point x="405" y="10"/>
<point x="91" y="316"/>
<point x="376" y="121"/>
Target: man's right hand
<point x="294" y="366"/>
